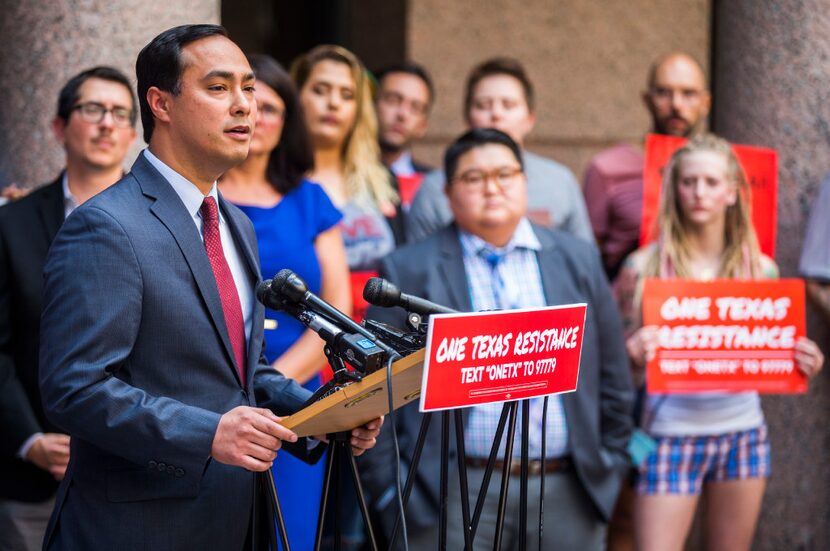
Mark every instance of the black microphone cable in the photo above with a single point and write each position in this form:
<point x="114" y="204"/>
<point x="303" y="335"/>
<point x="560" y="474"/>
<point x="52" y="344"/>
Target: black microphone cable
<point x="398" y="488"/>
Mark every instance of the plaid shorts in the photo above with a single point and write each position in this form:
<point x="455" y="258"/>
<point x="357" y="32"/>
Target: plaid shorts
<point x="681" y="464"/>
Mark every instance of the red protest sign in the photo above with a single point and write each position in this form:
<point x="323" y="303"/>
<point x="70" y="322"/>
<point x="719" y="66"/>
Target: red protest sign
<point x="759" y="163"/>
<point x="488" y="357"/>
<point x="724" y="335"/>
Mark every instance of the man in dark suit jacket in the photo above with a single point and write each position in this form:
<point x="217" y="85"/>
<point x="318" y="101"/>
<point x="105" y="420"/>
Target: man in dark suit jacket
<point x="155" y="364"/>
<point x="403" y="101"/>
<point x="95" y="122"/>
<point x="588" y="430"/>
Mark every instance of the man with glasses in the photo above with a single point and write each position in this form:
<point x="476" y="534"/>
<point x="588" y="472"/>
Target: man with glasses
<point x="95" y="124"/>
<point x="403" y="101"/>
<point x="678" y="102"/>
<point x="494" y="257"/>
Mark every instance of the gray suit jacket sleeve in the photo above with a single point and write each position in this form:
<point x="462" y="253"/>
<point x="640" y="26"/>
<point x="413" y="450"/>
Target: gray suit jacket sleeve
<point x="578" y="223"/>
<point x="92" y="306"/>
<point x="616" y="389"/>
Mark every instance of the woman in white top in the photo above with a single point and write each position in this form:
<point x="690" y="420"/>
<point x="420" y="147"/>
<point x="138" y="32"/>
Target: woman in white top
<point x="715" y="441"/>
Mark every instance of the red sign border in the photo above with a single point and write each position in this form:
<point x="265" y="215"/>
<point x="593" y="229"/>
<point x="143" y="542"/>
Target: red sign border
<point x="773" y="388"/>
<point x="494" y="313"/>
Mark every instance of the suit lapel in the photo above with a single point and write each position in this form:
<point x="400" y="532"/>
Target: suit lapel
<point x="170" y="210"/>
<point x="232" y="217"/>
<point x="552" y="265"/>
<point x="51" y="209"/>
<point x="447" y="285"/>
<point x="235" y="220"/>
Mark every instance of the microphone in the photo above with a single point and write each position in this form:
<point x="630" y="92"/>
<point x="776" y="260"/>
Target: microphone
<point x="380" y="292"/>
<point x="357" y="349"/>
<point x="294" y="289"/>
<point x="287" y="291"/>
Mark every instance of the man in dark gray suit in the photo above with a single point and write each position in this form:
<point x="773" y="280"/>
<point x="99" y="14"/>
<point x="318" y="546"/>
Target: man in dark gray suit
<point x="492" y="257"/>
<point x="154" y="362"/>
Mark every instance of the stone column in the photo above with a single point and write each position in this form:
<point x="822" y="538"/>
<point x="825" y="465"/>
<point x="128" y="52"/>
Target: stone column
<point x="771" y="69"/>
<point x="45" y="42"/>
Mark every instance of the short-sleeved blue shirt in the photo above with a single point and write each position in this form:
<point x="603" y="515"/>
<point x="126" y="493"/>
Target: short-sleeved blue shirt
<point x="286" y="234"/>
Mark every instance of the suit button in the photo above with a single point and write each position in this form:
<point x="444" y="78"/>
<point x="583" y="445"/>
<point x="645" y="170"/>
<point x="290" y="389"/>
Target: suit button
<point x="151" y="464"/>
<point x="179" y="473"/>
<point x="245" y="395"/>
<point x="171" y="469"/>
<point x="161" y="467"/>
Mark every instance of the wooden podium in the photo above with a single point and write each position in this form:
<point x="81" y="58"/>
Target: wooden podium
<point x="360" y="402"/>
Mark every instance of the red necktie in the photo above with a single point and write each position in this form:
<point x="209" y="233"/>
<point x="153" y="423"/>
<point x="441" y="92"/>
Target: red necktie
<point x="228" y="294"/>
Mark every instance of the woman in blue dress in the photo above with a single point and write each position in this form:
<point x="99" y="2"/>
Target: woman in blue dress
<point x="296" y="228"/>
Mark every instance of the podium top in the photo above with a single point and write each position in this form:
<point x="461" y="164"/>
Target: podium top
<point x="361" y="402"/>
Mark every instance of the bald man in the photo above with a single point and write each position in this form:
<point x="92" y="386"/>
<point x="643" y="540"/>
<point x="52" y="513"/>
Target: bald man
<point x="678" y="102"/>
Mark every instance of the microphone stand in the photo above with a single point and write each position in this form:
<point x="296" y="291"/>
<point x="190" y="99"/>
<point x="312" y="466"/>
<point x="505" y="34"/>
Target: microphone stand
<point x="339" y="450"/>
<point x="470" y="518"/>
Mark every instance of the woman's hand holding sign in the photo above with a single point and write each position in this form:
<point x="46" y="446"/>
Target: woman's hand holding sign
<point x="808" y="357"/>
<point x="641" y="347"/>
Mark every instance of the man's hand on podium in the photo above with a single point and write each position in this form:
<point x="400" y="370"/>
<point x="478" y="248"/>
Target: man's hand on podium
<point x="249" y="438"/>
<point x="363" y="438"/>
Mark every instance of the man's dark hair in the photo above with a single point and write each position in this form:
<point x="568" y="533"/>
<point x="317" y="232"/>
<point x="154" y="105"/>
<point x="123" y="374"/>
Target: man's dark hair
<point x="477" y="138"/>
<point x="159" y="64"/>
<point x="410" y="68"/>
<point x="70" y="93"/>
<point x="293" y="157"/>
<point x="498" y="66"/>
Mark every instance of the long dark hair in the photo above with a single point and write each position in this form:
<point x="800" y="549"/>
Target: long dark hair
<point x="293" y="157"/>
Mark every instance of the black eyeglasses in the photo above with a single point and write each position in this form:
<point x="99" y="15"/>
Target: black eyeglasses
<point x="94" y="113"/>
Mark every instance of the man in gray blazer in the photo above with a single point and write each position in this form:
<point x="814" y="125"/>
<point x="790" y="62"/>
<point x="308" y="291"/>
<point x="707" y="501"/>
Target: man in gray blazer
<point x="155" y="338"/>
<point x="493" y="257"/>
<point x="499" y="94"/>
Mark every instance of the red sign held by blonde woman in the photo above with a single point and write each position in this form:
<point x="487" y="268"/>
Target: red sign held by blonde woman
<point x="724" y="335"/>
<point x="759" y="163"/>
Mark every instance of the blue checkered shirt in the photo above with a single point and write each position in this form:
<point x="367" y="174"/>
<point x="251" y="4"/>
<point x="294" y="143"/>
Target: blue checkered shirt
<point x="518" y="284"/>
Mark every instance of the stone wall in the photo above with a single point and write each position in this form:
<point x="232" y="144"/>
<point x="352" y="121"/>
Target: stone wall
<point x="588" y="60"/>
<point x="45" y="42"/>
<point x="772" y="74"/>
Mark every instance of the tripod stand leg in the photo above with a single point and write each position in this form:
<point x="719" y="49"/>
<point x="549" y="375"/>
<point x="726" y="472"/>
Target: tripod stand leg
<point x="324" y="499"/>
<point x="462" y="477"/>
<point x="338" y="487"/>
<point x="410" y="479"/>
<point x="542" y="474"/>
<point x="361" y="500"/>
<point x="524" y="474"/>
<point x="505" y="476"/>
<point x="275" y="503"/>
<point x="445" y="452"/>
<point x="488" y="471"/>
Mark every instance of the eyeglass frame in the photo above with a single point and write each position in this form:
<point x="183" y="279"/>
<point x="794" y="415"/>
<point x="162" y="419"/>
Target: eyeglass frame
<point x="492" y="175"/>
<point x="80" y="107"/>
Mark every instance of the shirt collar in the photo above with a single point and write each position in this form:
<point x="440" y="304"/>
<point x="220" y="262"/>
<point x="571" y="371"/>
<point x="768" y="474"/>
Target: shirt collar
<point x="403" y="165"/>
<point x="184" y="188"/>
<point x="523" y="238"/>
<point x="70" y="203"/>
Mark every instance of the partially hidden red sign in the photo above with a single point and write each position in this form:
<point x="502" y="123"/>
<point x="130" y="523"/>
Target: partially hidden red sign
<point x="759" y="163"/>
<point x="724" y="335"/>
<point x="489" y="357"/>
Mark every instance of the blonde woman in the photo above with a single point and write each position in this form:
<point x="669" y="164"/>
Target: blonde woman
<point x="711" y="444"/>
<point x="335" y="93"/>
